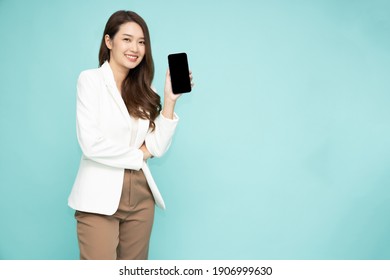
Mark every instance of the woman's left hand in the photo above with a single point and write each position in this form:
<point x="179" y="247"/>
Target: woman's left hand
<point x="168" y="93"/>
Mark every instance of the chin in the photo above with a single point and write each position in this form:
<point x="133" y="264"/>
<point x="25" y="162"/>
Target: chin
<point x="132" y="65"/>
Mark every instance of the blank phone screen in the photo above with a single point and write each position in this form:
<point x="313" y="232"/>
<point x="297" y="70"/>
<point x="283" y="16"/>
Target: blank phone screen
<point x="178" y="67"/>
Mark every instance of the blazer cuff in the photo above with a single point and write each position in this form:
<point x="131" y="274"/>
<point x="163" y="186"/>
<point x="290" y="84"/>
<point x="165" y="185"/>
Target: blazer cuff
<point x="172" y="121"/>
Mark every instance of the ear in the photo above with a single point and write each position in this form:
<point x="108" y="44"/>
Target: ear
<point x="108" y="41"/>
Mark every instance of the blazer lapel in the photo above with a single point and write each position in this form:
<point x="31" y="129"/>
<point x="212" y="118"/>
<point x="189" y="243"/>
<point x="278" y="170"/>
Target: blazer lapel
<point x="109" y="80"/>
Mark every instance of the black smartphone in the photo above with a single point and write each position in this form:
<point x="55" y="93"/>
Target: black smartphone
<point x="180" y="73"/>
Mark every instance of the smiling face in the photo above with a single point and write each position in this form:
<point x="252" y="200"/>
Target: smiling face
<point x="127" y="48"/>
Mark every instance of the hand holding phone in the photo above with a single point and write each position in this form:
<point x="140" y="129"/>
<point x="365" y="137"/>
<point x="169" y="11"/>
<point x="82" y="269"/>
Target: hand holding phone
<point x="179" y="71"/>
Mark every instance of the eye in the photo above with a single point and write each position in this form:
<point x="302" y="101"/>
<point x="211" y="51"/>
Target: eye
<point x="126" y="39"/>
<point x="142" y="43"/>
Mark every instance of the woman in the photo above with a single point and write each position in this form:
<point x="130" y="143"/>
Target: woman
<point x="120" y="125"/>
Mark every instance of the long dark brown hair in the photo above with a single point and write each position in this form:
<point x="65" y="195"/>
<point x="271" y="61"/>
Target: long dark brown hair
<point x="141" y="101"/>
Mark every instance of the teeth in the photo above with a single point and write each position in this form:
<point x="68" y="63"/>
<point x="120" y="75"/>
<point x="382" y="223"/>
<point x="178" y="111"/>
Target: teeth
<point x="131" y="56"/>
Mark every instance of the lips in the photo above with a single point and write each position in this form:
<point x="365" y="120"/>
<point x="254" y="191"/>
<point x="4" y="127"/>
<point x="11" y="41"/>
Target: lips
<point x="132" y="58"/>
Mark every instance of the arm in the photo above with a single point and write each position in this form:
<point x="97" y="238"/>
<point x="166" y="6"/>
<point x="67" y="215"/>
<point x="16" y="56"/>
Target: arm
<point x="94" y="144"/>
<point x="158" y="141"/>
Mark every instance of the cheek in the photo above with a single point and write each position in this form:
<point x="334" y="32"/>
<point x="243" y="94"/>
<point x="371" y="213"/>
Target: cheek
<point x="143" y="51"/>
<point x="117" y="49"/>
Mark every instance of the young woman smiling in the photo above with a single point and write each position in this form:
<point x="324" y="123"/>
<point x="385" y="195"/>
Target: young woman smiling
<point x="120" y="125"/>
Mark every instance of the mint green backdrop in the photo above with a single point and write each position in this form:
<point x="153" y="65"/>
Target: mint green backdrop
<point x="283" y="148"/>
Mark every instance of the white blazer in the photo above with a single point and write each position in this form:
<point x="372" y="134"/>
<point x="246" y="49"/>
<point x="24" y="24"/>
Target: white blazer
<point x="104" y="131"/>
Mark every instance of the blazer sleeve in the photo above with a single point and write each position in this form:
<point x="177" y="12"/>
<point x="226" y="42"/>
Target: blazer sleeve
<point x="159" y="140"/>
<point x="94" y="145"/>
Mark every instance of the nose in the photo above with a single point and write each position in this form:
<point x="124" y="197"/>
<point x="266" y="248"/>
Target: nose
<point x="134" y="46"/>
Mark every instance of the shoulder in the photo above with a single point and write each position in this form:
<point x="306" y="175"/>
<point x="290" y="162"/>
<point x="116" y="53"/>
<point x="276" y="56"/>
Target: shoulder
<point x="90" y="77"/>
<point x="90" y="74"/>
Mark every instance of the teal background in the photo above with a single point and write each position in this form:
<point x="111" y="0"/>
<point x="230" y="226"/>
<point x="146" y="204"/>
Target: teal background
<point x="282" y="151"/>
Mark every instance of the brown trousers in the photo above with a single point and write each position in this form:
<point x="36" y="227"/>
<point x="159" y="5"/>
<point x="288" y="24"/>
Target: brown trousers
<point x="126" y="234"/>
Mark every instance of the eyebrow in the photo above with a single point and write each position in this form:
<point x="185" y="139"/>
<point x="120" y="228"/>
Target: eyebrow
<point x="132" y="36"/>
